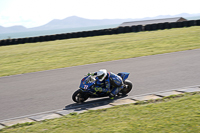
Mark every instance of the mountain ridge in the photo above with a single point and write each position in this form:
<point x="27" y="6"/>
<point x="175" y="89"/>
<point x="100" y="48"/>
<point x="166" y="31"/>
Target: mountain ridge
<point x="76" y="22"/>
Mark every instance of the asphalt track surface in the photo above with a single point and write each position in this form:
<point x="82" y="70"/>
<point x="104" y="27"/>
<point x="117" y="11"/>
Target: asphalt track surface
<point x="37" y="92"/>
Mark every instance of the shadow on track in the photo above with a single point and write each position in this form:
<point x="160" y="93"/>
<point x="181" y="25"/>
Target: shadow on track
<point x="91" y="104"/>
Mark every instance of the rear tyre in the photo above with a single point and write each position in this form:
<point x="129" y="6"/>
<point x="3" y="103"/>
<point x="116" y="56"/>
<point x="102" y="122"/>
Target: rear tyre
<point x="79" y="96"/>
<point x="128" y="87"/>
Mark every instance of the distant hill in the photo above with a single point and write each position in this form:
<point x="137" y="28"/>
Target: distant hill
<point x="11" y="29"/>
<point x="76" y="22"/>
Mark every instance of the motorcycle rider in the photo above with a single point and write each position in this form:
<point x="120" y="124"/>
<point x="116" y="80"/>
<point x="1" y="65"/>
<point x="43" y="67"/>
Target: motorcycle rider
<point x="107" y="82"/>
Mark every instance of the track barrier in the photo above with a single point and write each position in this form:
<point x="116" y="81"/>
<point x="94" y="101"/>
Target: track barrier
<point x="111" y="31"/>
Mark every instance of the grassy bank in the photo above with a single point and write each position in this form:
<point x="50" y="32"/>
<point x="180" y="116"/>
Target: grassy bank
<point x="176" y="115"/>
<point x="32" y="57"/>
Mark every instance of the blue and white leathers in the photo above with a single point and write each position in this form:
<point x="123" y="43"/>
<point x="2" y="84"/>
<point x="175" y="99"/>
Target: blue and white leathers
<point x="112" y="83"/>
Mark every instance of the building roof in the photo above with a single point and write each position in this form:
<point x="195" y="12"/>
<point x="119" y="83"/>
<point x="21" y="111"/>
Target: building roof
<point x="153" y="21"/>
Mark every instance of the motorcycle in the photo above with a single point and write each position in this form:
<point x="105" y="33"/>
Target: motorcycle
<point x="86" y="88"/>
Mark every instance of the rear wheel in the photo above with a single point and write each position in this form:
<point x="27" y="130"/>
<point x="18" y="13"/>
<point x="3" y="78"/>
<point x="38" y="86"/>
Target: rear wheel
<point x="79" y="96"/>
<point x="127" y="88"/>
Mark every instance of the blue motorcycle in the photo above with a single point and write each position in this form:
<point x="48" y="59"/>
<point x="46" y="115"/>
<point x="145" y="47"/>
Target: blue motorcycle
<point x="87" y="85"/>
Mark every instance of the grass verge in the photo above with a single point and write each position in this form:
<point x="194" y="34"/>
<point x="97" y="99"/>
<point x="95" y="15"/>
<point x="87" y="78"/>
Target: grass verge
<point x="32" y="57"/>
<point x="177" y="114"/>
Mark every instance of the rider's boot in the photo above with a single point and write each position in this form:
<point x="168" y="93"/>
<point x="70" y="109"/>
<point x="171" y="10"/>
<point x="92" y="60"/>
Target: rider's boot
<point x="111" y="96"/>
<point x="115" y="91"/>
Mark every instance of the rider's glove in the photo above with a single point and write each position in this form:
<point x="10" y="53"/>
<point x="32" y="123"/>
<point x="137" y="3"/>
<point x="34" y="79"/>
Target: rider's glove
<point x="90" y="74"/>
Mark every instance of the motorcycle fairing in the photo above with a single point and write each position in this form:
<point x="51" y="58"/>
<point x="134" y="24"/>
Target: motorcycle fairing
<point x="123" y="75"/>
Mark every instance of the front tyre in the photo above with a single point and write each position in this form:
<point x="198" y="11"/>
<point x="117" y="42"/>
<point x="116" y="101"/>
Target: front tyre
<point x="79" y="96"/>
<point x="127" y="88"/>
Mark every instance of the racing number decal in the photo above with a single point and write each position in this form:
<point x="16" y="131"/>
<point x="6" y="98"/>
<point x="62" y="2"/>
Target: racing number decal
<point x="85" y="86"/>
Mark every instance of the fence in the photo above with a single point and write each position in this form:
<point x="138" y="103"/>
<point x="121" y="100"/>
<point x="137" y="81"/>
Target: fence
<point x="119" y="30"/>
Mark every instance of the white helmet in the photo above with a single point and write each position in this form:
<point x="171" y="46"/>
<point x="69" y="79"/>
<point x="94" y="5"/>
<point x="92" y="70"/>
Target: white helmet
<point x="101" y="74"/>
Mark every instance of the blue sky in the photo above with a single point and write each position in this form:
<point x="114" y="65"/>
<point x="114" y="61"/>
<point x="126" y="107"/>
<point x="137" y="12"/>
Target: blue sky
<point x="32" y="13"/>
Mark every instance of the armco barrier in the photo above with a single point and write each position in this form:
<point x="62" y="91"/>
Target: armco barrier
<point x="118" y="30"/>
<point x="67" y="36"/>
<point x="84" y="34"/>
<point x="154" y="26"/>
<point x="90" y="33"/>
<point x="198" y="22"/>
<point x="41" y="38"/>
<point x="76" y="35"/>
<point x="70" y="35"/>
<point x="189" y="23"/>
<point x="147" y="27"/>
<point x="166" y="25"/>
<point x="102" y="32"/>
<point x="110" y="31"/>
<point x="127" y="29"/>
<point x="173" y="25"/>
<point x="160" y="26"/>
<point x="53" y="37"/>
<point x="134" y="28"/>
<point x="36" y="39"/>
<point x="33" y="39"/>
<point x="12" y="41"/>
<point x="106" y="32"/>
<point x="15" y="41"/>
<point x="21" y="41"/>
<point x="94" y="32"/>
<point x="98" y="32"/>
<point x="139" y="28"/>
<point x="3" y="43"/>
<point x="63" y="36"/>
<point x="7" y="42"/>
<point x="192" y="22"/>
<point x="180" y="24"/>
<point x="114" y="30"/>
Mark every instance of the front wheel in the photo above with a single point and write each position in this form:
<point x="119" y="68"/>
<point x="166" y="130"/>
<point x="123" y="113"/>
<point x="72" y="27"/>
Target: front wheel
<point x="79" y="96"/>
<point x="127" y="88"/>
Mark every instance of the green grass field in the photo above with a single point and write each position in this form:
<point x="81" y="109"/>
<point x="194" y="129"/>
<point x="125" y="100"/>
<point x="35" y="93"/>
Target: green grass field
<point x="32" y="57"/>
<point x="172" y="115"/>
